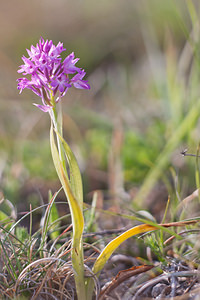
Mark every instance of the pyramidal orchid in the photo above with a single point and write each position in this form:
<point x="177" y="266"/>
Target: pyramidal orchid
<point x="49" y="76"/>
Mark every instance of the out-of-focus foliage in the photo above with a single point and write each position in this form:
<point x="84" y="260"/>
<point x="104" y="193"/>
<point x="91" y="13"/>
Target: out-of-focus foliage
<point x="131" y="52"/>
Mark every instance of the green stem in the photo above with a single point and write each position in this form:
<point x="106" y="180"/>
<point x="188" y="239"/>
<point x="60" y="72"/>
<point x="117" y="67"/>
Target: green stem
<point x="57" y="123"/>
<point x="78" y="265"/>
<point x="77" y="244"/>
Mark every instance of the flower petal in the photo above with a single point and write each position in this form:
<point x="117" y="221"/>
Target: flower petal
<point x="44" y="108"/>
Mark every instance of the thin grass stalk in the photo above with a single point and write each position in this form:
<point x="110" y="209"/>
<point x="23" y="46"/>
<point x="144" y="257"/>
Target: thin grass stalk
<point x="163" y="221"/>
<point x="30" y="232"/>
<point x="197" y="174"/>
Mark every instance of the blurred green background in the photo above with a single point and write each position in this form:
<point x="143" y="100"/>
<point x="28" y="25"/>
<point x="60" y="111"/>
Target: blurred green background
<point x="127" y="132"/>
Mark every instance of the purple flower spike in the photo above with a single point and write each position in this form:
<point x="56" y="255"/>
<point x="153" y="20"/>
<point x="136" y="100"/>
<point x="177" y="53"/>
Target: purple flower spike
<point x="48" y="74"/>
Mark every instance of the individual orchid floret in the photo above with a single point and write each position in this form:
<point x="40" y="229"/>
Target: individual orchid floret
<point x="61" y="83"/>
<point x="78" y="81"/>
<point x="69" y="64"/>
<point x="49" y="77"/>
<point x="28" y="67"/>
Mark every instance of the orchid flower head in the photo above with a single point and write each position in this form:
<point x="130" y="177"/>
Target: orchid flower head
<point x="49" y="76"/>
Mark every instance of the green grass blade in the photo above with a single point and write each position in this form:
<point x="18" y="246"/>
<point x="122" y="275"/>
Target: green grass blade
<point x="8" y="262"/>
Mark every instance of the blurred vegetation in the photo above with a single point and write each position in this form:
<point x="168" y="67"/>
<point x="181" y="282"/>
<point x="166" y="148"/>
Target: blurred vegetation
<point x="142" y="109"/>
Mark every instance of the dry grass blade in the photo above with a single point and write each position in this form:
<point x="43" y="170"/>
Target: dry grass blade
<point x="53" y="274"/>
<point x="180" y="223"/>
<point x="189" y="198"/>
<point x="121" y="277"/>
<point x="41" y="285"/>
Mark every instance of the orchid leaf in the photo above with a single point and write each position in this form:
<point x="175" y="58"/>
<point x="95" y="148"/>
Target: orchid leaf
<point x="75" y="175"/>
<point x="111" y="247"/>
<point x="77" y="220"/>
<point x="76" y="212"/>
<point x="114" y="244"/>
